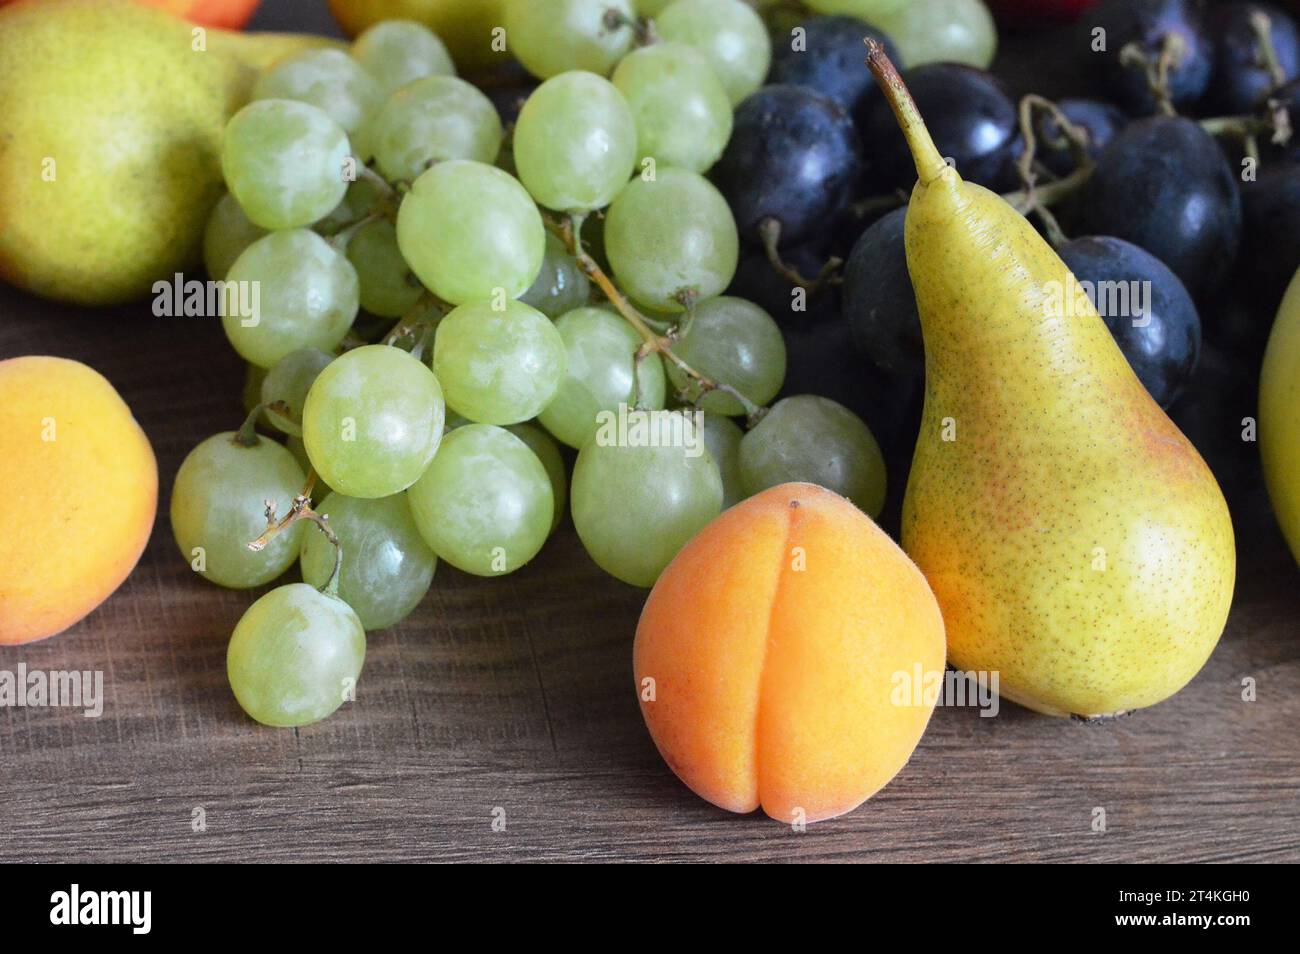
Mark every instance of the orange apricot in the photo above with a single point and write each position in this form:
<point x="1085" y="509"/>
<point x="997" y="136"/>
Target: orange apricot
<point x="768" y="656"/>
<point x="78" y="494"/>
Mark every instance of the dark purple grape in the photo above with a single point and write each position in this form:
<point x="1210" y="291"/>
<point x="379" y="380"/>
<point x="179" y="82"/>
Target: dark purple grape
<point x="878" y="300"/>
<point x="1101" y="121"/>
<point x="968" y="113"/>
<point x="1271" y="250"/>
<point x="1241" y="80"/>
<point x="1146" y="308"/>
<point x="831" y="61"/>
<point x="795" y="157"/>
<point x="1147" y="23"/>
<point x="757" y="281"/>
<point x="1163" y="184"/>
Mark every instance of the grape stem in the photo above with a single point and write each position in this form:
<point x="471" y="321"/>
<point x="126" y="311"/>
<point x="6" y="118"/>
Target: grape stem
<point x="1075" y="136"/>
<point x="769" y="232"/>
<point x="1263" y="30"/>
<point x="1172" y="50"/>
<point x="570" y="232"/>
<point x="409" y="325"/>
<point x="301" y="509"/>
<point x="246" y="436"/>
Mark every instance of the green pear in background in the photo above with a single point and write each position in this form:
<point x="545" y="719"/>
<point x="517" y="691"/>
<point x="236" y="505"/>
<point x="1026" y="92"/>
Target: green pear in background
<point x="1076" y="541"/>
<point x="110" y="134"/>
<point x="1279" y="416"/>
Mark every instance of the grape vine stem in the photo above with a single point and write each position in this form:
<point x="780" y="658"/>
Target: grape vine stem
<point x="301" y="509"/>
<point x="569" y="232"/>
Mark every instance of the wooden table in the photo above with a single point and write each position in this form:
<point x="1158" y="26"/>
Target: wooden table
<point x="516" y="696"/>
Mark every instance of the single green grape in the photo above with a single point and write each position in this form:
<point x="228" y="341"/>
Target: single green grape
<point x="498" y="367"/>
<point x="817" y="441"/>
<point x="561" y="285"/>
<point x="218" y="507"/>
<point x="303" y="292"/>
<point x="734" y="342"/>
<point x="731" y="36"/>
<point x="722" y="436"/>
<point x="397" y="52"/>
<point x="485" y="503"/>
<point x="373" y="421"/>
<point x="387" y="567"/>
<point x="295" y="656"/>
<point x="548" y="452"/>
<point x="329" y="80"/>
<point x="671" y="235"/>
<point x="682" y="112"/>
<point x="288" y="382"/>
<point x="226" y="235"/>
<point x="388" y="287"/>
<point x="471" y="232"/>
<point x="433" y="120"/>
<point x="635" y="505"/>
<point x="601" y="372"/>
<point x="942" y="31"/>
<point x="651" y="8"/>
<point x="554" y="36"/>
<point x="284" y="162"/>
<point x="575" y="142"/>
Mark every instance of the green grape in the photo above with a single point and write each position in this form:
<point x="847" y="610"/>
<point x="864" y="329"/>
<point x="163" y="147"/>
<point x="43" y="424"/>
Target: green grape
<point x="433" y="120"/>
<point x="939" y="31"/>
<point x="289" y="381"/>
<point x="299" y="451"/>
<point x="636" y="505"/>
<point x="226" y="235"/>
<point x="671" y="235"/>
<point x="329" y="80"/>
<point x="295" y="656"/>
<point x="601" y="372"/>
<point x="868" y="10"/>
<point x="373" y="421"/>
<point x="682" y="112"/>
<point x="471" y="232"/>
<point x="498" y="367"/>
<point x="561" y="286"/>
<point x="817" y="441"/>
<point x="218" y="507"/>
<point x="575" y="143"/>
<point x="397" y="52"/>
<point x="548" y="452"/>
<point x="284" y="163"/>
<point x="731" y="36"/>
<point x="554" y="36"/>
<point x="388" y="287"/>
<point x="735" y="342"/>
<point x="387" y="567"/>
<point x="306" y="296"/>
<point x="485" y="503"/>
<point x="722" y="436"/>
<point x="651" y="8"/>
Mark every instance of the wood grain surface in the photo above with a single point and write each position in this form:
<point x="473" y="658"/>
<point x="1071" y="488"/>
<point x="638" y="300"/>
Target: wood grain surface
<point x="516" y="696"/>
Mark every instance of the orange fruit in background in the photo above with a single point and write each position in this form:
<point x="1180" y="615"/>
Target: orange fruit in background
<point x="78" y="494"/>
<point x="768" y="656"/>
<point x="464" y="25"/>
<point x="230" y="14"/>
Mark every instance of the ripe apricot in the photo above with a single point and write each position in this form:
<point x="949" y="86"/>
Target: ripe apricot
<point x="769" y="652"/>
<point x="78" y="494"/>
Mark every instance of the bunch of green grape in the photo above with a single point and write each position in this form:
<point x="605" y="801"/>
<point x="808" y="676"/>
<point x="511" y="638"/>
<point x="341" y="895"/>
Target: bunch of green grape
<point x="434" y="338"/>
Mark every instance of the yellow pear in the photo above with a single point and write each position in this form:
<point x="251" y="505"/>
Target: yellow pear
<point x="111" y="115"/>
<point x="1279" y="416"/>
<point x="1076" y="541"/>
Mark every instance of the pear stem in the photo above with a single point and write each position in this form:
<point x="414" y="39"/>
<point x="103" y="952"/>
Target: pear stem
<point x="930" y="163"/>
